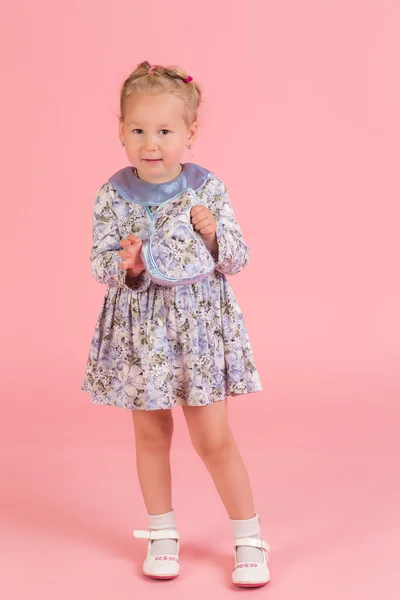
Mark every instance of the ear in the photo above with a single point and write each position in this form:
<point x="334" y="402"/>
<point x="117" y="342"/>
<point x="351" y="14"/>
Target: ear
<point x="193" y="131"/>
<point x="121" y="130"/>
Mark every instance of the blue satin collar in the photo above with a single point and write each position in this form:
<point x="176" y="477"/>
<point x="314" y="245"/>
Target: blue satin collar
<point x="153" y="194"/>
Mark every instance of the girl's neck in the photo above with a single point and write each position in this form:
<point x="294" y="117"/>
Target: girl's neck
<point x="135" y="171"/>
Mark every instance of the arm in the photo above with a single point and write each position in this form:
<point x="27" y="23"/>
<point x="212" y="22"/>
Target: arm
<point x="104" y="257"/>
<point x="232" y="254"/>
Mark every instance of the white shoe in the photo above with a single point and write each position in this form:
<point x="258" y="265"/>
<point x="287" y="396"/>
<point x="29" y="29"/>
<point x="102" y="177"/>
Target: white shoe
<point x="251" y="574"/>
<point x="164" y="566"/>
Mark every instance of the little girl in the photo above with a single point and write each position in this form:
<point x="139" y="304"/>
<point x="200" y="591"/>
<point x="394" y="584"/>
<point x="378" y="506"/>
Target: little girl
<point x="155" y="347"/>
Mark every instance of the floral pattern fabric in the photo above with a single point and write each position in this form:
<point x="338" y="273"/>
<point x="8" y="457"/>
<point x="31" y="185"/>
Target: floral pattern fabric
<point x="155" y="347"/>
<point x="177" y="250"/>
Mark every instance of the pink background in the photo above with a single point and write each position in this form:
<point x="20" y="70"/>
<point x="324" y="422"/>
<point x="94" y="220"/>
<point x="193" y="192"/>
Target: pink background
<point x="301" y="120"/>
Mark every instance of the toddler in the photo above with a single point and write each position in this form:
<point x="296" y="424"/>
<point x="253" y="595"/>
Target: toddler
<point x="156" y="346"/>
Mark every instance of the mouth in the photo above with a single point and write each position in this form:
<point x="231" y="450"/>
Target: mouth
<point x="152" y="160"/>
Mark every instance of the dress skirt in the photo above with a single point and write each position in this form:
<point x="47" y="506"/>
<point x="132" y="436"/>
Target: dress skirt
<point x="168" y="346"/>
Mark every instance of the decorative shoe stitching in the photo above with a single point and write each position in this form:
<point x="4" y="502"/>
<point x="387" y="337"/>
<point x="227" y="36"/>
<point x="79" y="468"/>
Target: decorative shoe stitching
<point x="247" y="565"/>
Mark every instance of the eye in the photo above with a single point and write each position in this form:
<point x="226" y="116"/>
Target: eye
<point x="163" y="131"/>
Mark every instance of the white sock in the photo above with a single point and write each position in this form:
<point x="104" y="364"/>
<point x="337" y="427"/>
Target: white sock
<point x="247" y="528"/>
<point x="157" y="522"/>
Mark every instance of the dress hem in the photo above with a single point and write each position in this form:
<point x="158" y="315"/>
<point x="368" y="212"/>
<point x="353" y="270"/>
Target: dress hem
<point x="178" y="403"/>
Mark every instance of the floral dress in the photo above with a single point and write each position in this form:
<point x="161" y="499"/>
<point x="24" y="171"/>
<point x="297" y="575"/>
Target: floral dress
<point x="155" y="347"/>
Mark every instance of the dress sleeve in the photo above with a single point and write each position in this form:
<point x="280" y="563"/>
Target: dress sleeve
<point x="233" y="253"/>
<point x="104" y="257"/>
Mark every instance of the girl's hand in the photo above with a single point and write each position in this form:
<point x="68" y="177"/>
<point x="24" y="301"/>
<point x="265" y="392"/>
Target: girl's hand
<point x="133" y="262"/>
<point x="204" y="221"/>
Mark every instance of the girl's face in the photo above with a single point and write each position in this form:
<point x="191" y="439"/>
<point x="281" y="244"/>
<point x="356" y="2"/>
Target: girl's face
<point x="155" y="135"/>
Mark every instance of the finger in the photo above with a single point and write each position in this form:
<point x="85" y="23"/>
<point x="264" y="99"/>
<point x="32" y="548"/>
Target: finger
<point x="134" y="238"/>
<point x="203" y="223"/>
<point x="202" y="217"/>
<point x="198" y="208"/>
<point x="124" y="254"/>
<point x="206" y="214"/>
<point x="197" y="218"/>
<point x="207" y="230"/>
<point x="126" y="242"/>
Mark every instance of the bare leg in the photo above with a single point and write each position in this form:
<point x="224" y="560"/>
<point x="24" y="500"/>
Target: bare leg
<point x="153" y="436"/>
<point x="213" y="441"/>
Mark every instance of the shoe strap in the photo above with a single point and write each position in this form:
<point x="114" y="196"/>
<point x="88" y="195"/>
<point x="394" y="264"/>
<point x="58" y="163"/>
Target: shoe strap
<point x="156" y="534"/>
<point x="254" y="542"/>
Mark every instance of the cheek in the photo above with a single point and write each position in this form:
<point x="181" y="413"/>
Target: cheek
<point x="132" y="148"/>
<point x="171" y="149"/>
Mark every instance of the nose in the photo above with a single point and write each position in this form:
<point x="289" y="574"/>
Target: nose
<point x="150" y="143"/>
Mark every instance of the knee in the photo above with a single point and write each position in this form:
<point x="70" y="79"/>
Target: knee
<point x="154" y="434"/>
<point x="212" y="449"/>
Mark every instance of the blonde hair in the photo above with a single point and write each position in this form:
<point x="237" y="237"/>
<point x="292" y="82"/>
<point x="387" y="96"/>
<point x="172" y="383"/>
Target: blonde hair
<point x="163" y="80"/>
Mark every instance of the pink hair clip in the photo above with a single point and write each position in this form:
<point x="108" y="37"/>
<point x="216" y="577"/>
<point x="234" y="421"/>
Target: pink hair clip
<point x="151" y="69"/>
<point x="188" y="79"/>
